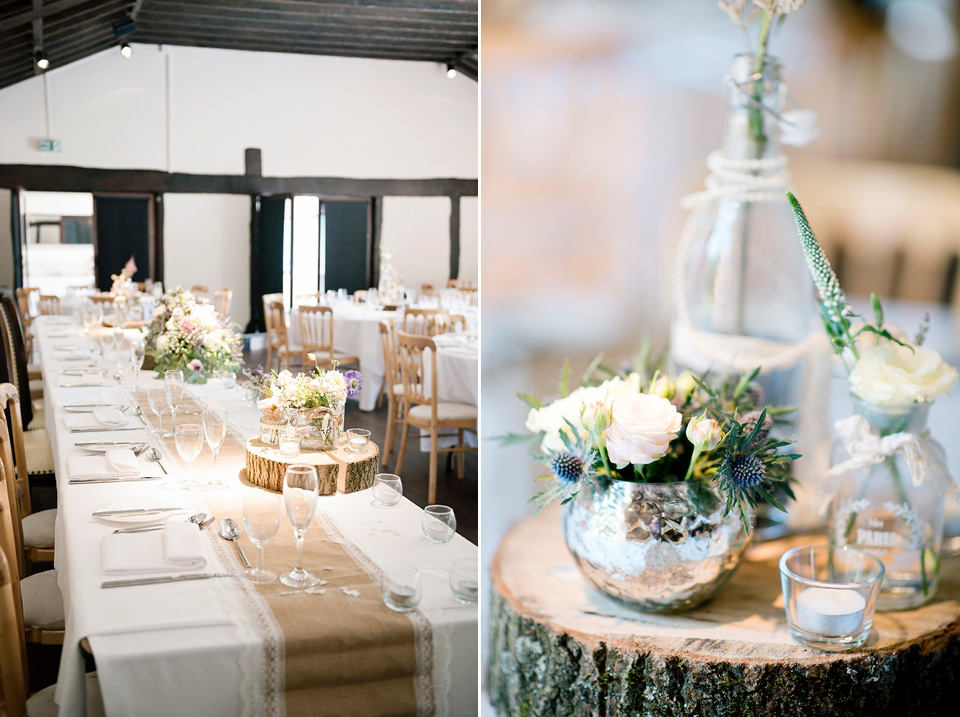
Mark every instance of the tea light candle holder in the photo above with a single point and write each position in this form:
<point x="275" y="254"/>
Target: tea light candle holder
<point x="830" y="595"/>
<point x="401" y="587"/>
<point x="289" y="442"/>
<point x="357" y="439"/>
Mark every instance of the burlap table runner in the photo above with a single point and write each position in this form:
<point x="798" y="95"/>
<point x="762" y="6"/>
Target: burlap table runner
<point x="345" y="653"/>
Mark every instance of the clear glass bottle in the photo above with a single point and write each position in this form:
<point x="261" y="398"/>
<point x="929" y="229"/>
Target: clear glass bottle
<point x="743" y="296"/>
<point x="879" y="510"/>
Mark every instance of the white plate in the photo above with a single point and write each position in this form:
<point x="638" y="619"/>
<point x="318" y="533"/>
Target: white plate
<point x="134" y="517"/>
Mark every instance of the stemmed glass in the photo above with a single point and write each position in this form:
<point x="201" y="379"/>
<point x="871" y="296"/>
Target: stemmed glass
<point x="261" y="519"/>
<point x="137" y="356"/>
<point x="300" y="489"/>
<point x="173" y="382"/>
<point x="189" y="439"/>
<point x="157" y="398"/>
<point x="215" y="429"/>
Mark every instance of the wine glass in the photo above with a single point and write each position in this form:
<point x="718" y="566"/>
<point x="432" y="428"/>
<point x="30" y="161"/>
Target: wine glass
<point x="137" y="355"/>
<point x="173" y="382"/>
<point x="157" y="398"/>
<point x="261" y="519"/>
<point x="189" y="440"/>
<point x="118" y="338"/>
<point x="215" y="430"/>
<point x="300" y="489"/>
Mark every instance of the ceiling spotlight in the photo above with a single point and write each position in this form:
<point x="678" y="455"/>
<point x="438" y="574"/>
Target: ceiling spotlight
<point x="451" y="73"/>
<point x="43" y="62"/>
<point x="126" y="50"/>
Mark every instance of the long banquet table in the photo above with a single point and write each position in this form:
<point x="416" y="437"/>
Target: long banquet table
<point x="222" y="646"/>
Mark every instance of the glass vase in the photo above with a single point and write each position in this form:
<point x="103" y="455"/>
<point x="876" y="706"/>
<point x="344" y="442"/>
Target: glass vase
<point x="743" y="296"/>
<point x="880" y="509"/>
<point x="320" y="430"/>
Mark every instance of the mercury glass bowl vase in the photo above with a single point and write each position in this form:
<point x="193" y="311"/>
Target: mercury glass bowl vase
<point x="658" y="547"/>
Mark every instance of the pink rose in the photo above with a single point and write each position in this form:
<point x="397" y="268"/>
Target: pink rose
<point x="643" y="426"/>
<point x="195" y="365"/>
<point x="187" y="326"/>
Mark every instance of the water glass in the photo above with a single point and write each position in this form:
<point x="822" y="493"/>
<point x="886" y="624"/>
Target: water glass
<point x="228" y="379"/>
<point x="357" y="439"/>
<point x="438" y="524"/>
<point x="387" y="490"/>
<point x="830" y="595"/>
<point x="289" y="442"/>
<point x="137" y="355"/>
<point x="173" y="382"/>
<point x="118" y="338"/>
<point x="157" y="398"/>
<point x="261" y="519"/>
<point x="300" y="489"/>
<point x="465" y="580"/>
<point x="401" y="587"/>
<point x="215" y="430"/>
<point x="189" y="440"/>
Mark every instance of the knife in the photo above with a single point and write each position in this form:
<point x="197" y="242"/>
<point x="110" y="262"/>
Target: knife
<point x="89" y="405"/>
<point x="161" y="579"/>
<point x="84" y="444"/>
<point x="105" y="429"/>
<point x="131" y="511"/>
<point x="79" y="481"/>
<point x="158" y="526"/>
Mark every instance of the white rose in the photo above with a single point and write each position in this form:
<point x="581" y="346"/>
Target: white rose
<point x="704" y="432"/>
<point x="894" y="374"/>
<point x="162" y="343"/>
<point x="643" y="426"/>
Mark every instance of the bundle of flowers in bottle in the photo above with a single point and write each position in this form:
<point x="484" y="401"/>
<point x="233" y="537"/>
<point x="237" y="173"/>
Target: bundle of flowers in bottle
<point x="659" y="478"/>
<point x="886" y="487"/>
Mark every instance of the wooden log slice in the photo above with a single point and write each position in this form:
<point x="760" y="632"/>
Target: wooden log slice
<point x="559" y="647"/>
<point x="339" y="471"/>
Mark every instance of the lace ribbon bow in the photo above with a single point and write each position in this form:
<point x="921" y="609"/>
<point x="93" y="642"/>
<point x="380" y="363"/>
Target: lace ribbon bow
<point x="866" y="448"/>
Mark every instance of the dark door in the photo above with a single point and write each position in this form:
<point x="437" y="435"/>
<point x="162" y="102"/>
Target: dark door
<point x="123" y="229"/>
<point x="266" y="255"/>
<point x="347" y="236"/>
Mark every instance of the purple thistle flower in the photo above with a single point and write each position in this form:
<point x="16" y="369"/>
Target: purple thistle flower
<point x="354" y="383"/>
<point x="747" y="471"/>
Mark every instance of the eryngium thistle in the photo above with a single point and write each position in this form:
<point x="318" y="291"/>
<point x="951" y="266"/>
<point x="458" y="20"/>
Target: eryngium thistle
<point x="828" y="286"/>
<point x="568" y="467"/>
<point x="746" y="470"/>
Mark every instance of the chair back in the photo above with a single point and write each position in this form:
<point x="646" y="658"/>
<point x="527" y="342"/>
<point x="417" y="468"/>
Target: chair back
<point x="200" y="289"/>
<point x="316" y="331"/>
<point x="222" y="300"/>
<point x="418" y="368"/>
<point x="49" y="305"/>
<point x="388" y="341"/>
<point x="276" y="321"/>
<point x="14" y="353"/>
<point x="449" y="323"/>
<point x="25" y="299"/>
<point x="422" y="321"/>
<point x="13" y="643"/>
<point x="11" y="490"/>
<point x="102" y="298"/>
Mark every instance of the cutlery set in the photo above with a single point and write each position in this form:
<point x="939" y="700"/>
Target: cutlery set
<point x="161" y="579"/>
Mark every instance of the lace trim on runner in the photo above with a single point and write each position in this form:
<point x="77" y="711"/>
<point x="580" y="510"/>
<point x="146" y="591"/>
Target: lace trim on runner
<point x="428" y="698"/>
<point x="262" y="655"/>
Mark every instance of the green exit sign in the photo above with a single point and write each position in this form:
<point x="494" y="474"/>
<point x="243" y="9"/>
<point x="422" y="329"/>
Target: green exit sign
<point x="49" y="145"/>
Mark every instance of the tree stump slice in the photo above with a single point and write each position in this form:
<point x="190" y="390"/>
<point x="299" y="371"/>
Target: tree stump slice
<point x="559" y="647"/>
<point x="339" y="470"/>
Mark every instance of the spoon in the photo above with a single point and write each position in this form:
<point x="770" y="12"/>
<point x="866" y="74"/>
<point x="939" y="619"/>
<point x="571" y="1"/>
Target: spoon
<point x="229" y="530"/>
<point x="154" y="455"/>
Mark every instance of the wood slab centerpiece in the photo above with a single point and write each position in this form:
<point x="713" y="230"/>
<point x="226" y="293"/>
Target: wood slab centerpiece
<point x="339" y="470"/>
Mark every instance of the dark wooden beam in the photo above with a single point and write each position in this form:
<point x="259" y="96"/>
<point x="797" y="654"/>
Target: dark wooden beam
<point x="37" y="29"/>
<point x="29" y="16"/>
<point x="266" y="44"/>
<point x="253" y="165"/>
<point x="356" y="7"/>
<point x="57" y="178"/>
<point x="454" y="236"/>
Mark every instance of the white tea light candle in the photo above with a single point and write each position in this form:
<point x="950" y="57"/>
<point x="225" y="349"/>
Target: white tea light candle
<point x="357" y="439"/>
<point x="830" y="611"/>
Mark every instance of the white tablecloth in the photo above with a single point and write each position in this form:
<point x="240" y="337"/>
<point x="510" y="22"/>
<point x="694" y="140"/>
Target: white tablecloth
<point x="160" y="648"/>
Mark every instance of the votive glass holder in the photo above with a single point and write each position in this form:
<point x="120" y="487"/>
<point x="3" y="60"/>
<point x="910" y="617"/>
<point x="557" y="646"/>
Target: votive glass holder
<point x="830" y="594"/>
<point x="289" y="442"/>
<point x="465" y="580"/>
<point x="401" y="587"/>
<point x="438" y="524"/>
<point x="387" y="490"/>
<point x="357" y="439"/>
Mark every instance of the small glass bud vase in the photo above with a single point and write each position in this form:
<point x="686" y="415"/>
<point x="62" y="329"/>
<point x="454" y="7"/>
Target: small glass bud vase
<point x="889" y="479"/>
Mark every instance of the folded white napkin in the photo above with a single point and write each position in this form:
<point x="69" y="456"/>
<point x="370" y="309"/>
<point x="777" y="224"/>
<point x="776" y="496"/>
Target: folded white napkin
<point x="87" y="379"/>
<point x="119" y="462"/>
<point x="100" y="416"/>
<point x="60" y="333"/>
<point x="178" y="547"/>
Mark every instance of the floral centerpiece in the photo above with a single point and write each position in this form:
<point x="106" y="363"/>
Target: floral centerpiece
<point x="390" y="289"/>
<point x="659" y="477"/>
<point x="123" y="282"/>
<point x="187" y="333"/>
<point x="317" y="399"/>
<point x="886" y="492"/>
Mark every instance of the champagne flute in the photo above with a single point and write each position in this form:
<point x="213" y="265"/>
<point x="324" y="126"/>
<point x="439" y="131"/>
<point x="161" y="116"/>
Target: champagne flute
<point x="261" y="519"/>
<point x="300" y="489"/>
<point x="215" y="430"/>
<point x="189" y="440"/>
<point x="173" y="382"/>
<point x="157" y="398"/>
<point x="137" y="356"/>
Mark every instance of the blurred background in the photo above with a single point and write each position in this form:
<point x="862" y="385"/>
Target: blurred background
<point x="597" y="117"/>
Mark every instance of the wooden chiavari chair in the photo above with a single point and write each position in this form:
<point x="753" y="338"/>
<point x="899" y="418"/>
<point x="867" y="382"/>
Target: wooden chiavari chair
<point x="392" y="386"/>
<point x="423" y="322"/>
<point x="278" y="338"/>
<point x="49" y="305"/>
<point x="316" y="337"/>
<point x="222" y="300"/>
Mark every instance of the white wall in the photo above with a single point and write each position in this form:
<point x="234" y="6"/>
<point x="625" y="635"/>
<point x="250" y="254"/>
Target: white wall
<point x="469" y="239"/>
<point x="310" y="116"/>
<point x="191" y="257"/>
<point x="417" y="230"/>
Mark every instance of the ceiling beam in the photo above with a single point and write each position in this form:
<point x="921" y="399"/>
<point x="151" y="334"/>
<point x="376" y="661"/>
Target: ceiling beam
<point x="384" y="11"/>
<point x="255" y="45"/>
<point x="153" y="30"/>
<point x="30" y="15"/>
